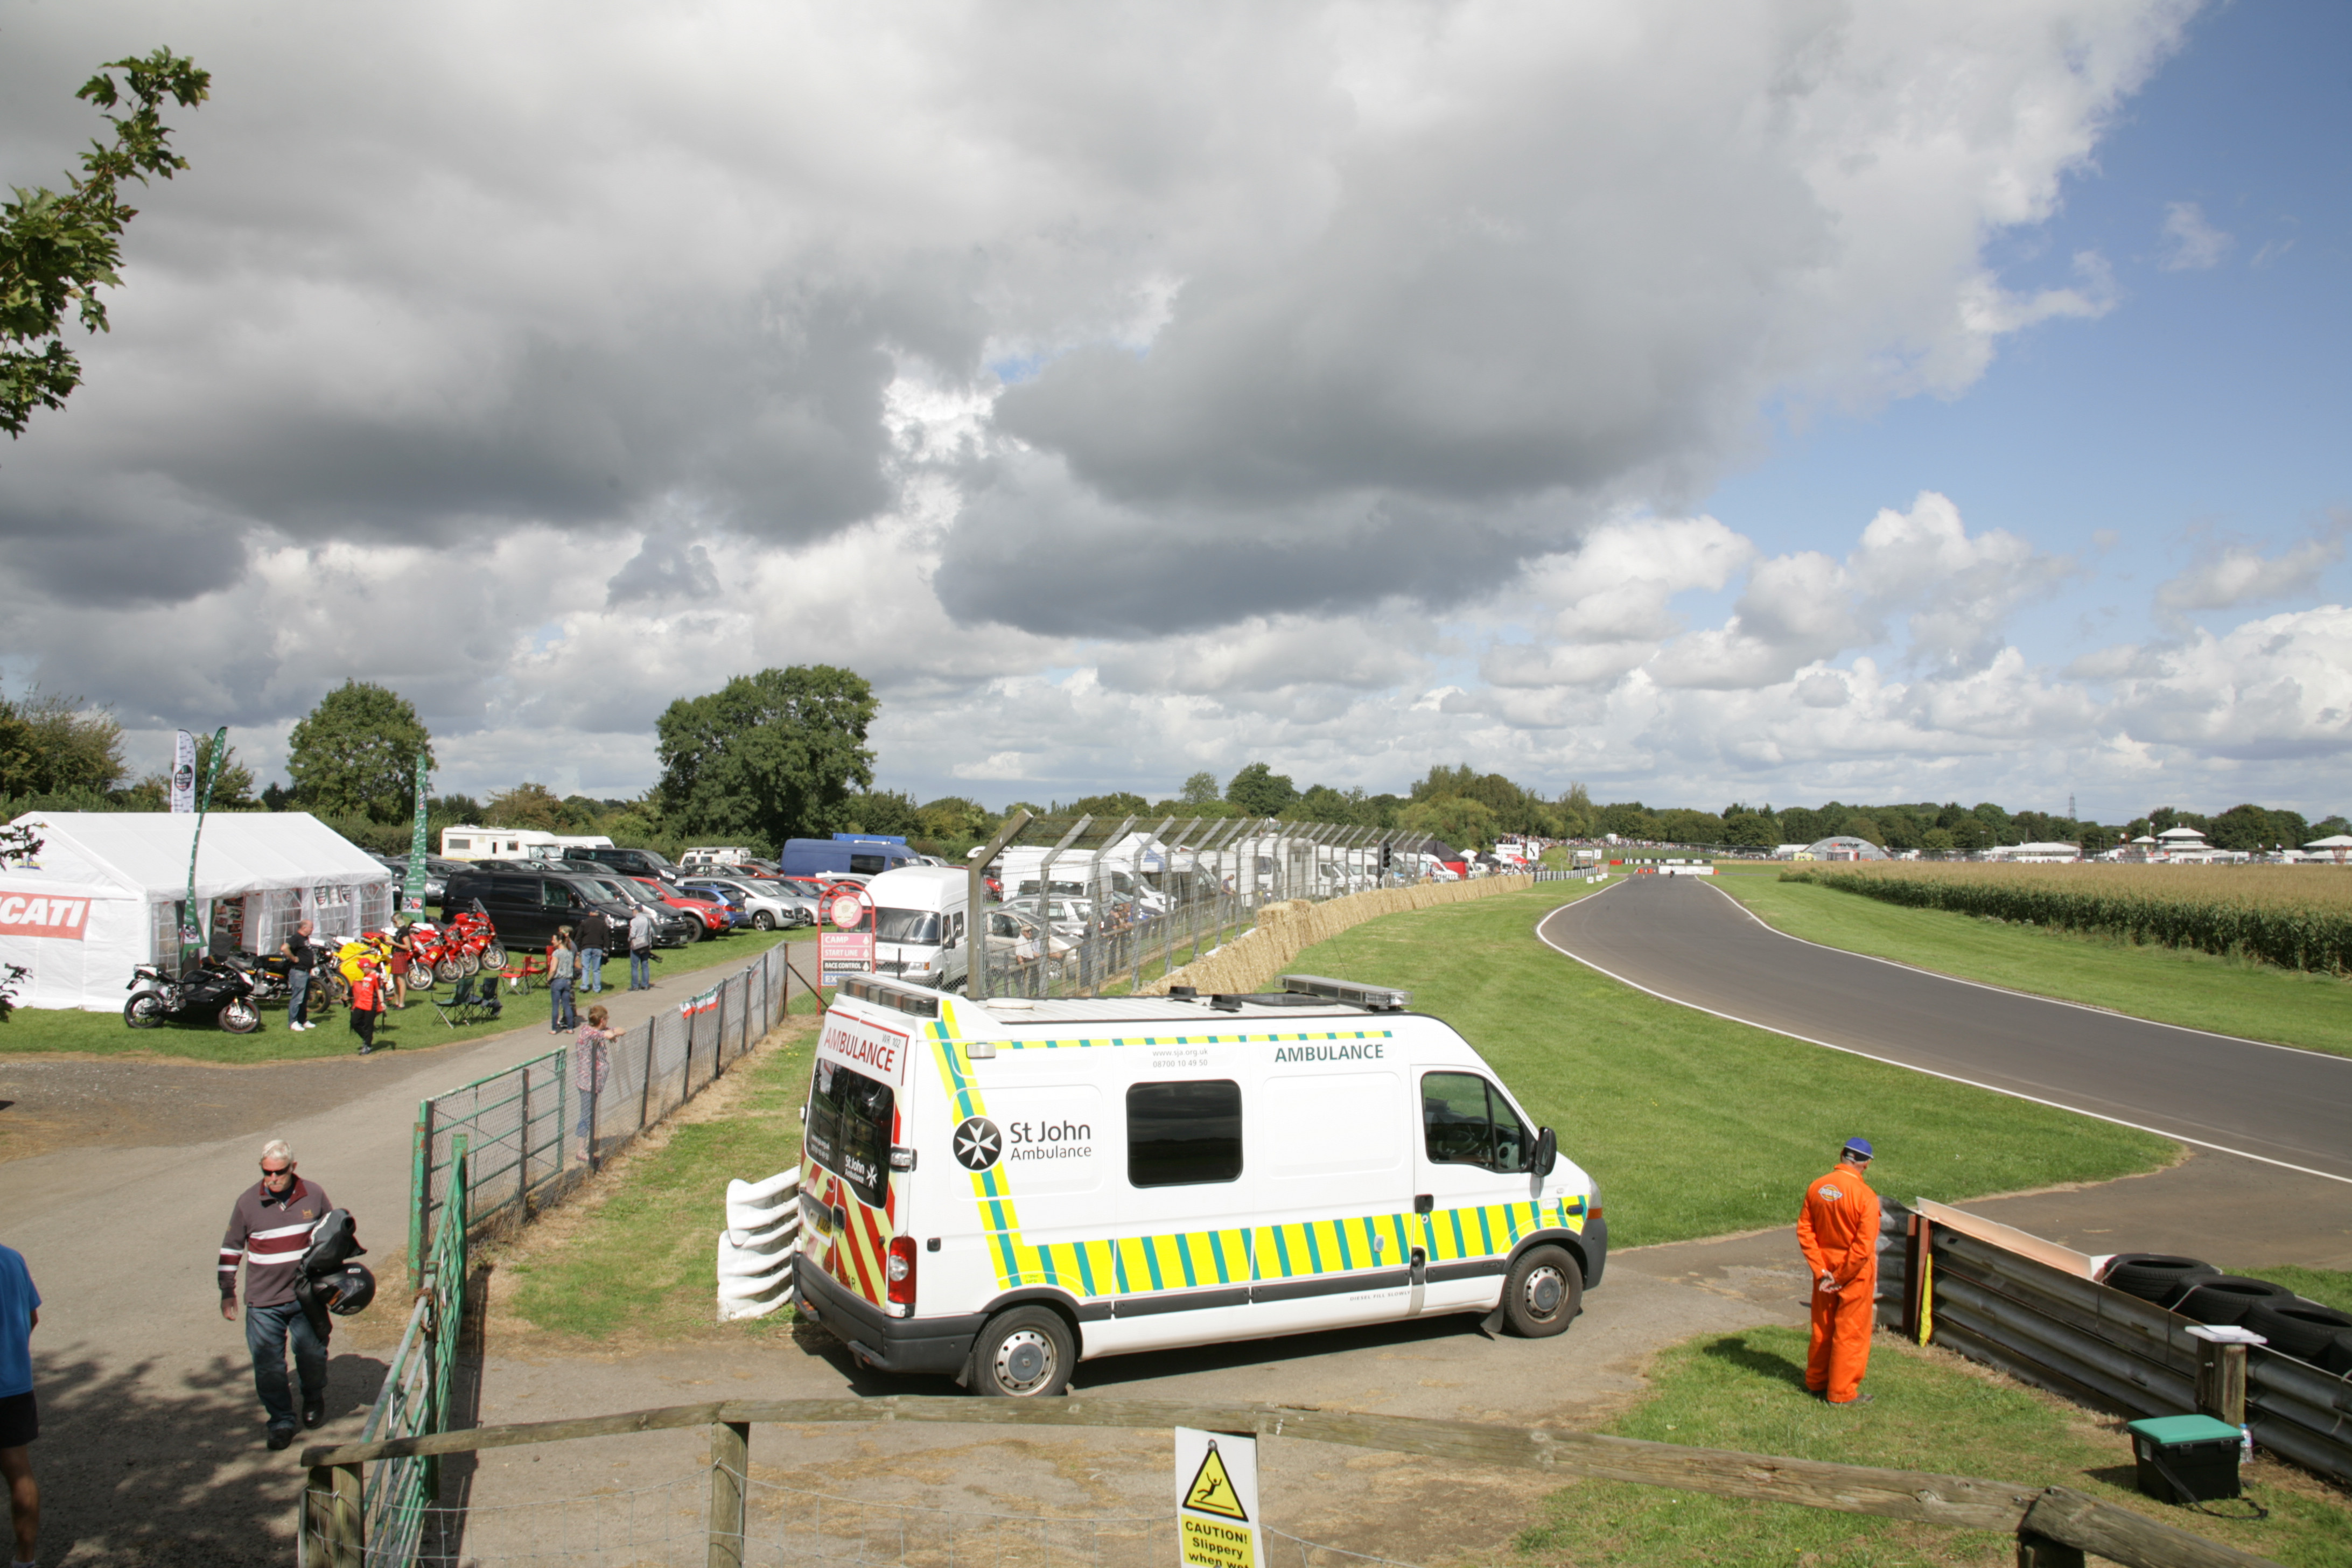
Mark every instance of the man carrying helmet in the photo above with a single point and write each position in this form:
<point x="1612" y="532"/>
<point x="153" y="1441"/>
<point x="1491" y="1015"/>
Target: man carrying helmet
<point x="1838" y="1230"/>
<point x="269" y="1229"/>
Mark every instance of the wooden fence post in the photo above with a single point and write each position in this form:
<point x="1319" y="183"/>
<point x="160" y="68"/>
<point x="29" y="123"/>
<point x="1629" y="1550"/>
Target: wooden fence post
<point x="730" y="1463"/>
<point x="2221" y="1381"/>
<point x="334" y="1512"/>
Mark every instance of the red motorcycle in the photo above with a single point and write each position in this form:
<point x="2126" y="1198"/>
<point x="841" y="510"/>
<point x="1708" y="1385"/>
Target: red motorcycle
<point x="408" y="954"/>
<point x="477" y="942"/>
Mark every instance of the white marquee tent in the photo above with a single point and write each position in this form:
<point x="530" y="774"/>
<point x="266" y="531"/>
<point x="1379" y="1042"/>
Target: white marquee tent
<point x="105" y="891"/>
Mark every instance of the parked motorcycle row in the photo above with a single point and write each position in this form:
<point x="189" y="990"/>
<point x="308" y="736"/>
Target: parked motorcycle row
<point x="231" y="990"/>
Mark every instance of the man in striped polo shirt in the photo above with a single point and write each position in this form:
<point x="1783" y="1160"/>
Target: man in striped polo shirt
<point x="269" y="1229"/>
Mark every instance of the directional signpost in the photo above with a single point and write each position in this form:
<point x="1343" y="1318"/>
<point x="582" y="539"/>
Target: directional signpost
<point x="847" y="948"/>
<point x="1216" y="1500"/>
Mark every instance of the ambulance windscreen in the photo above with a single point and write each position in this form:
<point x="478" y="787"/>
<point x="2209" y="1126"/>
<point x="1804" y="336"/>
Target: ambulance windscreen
<point x="849" y="1129"/>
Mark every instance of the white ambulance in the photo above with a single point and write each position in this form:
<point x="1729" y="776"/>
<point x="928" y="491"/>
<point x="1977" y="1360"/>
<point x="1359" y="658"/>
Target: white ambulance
<point x="999" y="1190"/>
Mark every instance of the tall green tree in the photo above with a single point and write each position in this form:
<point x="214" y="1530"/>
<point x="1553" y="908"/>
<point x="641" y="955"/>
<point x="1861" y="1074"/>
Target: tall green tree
<point x="51" y="743"/>
<point x="528" y="805"/>
<point x="772" y="756"/>
<point x="1201" y="789"/>
<point x="1464" y="822"/>
<point x="58" y="250"/>
<point x="355" y="753"/>
<point x="1258" y="790"/>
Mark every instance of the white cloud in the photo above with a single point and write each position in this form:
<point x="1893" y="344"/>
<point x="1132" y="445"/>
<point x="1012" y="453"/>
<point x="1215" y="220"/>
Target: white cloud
<point x="2232" y="574"/>
<point x="1126" y="392"/>
<point x="2190" y="243"/>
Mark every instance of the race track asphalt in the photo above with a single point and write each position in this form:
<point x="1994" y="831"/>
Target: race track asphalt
<point x="1688" y="941"/>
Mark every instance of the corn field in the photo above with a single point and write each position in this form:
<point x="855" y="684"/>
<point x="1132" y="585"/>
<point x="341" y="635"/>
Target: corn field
<point x="2293" y="917"/>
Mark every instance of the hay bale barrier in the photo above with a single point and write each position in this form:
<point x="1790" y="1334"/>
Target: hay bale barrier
<point x="1251" y="961"/>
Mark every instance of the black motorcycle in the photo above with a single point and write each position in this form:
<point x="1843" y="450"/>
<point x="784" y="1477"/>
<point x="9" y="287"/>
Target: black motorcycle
<point x="271" y="972"/>
<point x="209" y="991"/>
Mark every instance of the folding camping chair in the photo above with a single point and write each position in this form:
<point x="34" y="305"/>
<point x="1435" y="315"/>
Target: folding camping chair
<point x="465" y="1005"/>
<point x="520" y="970"/>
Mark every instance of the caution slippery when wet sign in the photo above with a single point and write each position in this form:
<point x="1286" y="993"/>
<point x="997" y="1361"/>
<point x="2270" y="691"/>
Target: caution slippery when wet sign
<point x="1216" y="1498"/>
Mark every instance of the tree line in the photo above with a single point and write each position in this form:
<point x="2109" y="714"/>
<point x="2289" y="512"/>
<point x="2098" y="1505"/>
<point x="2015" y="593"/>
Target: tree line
<point x="783" y="753"/>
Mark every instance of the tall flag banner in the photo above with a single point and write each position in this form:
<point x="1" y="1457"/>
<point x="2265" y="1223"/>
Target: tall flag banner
<point x="183" y="773"/>
<point x="412" y="889"/>
<point x="192" y="925"/>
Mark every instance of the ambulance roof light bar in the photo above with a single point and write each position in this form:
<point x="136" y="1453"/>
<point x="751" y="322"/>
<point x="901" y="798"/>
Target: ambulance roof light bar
<point x="922" y="1002"/>
<point x="1373" y="999"/>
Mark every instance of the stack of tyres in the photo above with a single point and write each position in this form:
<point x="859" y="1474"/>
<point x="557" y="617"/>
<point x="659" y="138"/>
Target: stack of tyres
<point x="2157" y="1277"/>
<point x="2304" y="1330"/>
<point x="2222" y="1298"/>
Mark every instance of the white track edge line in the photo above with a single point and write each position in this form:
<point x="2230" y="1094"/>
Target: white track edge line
<point x="2028" y="995"/>
<point x="1929" y="1072"/>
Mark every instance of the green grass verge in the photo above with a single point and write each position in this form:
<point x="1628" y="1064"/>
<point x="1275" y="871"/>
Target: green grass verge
<point x="1695" y="1125"/>
<point x="2328" y="1286"/>
<point x="29" y="1031"/>
<point x="1928" y="1412"/>
<point x="2196" y="990"/>
<point x="638" y="1264"/>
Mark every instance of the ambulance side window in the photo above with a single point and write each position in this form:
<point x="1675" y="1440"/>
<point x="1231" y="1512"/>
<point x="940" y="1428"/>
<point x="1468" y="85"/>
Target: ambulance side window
<point x="1468" y="1122"/>
<point x="849" y="1129"/>
<point x="1183" y="1135"/>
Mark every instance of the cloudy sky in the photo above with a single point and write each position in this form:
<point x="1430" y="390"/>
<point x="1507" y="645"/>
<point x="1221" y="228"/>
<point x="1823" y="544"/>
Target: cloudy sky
<point x="1779" y="401"/>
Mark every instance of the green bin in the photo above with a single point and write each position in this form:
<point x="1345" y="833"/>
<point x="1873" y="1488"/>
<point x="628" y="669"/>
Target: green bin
<point x="2186" y="1458"/>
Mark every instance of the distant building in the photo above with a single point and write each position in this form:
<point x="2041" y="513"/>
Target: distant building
<point x="1843" y="846"/>
<point x="2338" y="848"/>
<point x="2036" y="854"/>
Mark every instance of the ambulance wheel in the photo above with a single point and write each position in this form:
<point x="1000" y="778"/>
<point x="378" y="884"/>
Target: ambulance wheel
<point x="1023" y="1353"/>
<point x="1543" y="1294"/>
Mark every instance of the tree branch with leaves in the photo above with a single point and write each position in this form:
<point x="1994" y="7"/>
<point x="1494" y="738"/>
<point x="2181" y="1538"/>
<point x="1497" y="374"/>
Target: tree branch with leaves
<point x="59" y="249"/>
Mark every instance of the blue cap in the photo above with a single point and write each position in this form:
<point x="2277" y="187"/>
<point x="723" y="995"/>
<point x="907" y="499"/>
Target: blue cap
<point x="1859" y="1146"/>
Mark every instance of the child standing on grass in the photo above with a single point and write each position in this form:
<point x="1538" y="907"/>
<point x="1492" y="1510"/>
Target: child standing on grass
<point x="592" y="1054"/>
<point x="367" y="1001"/>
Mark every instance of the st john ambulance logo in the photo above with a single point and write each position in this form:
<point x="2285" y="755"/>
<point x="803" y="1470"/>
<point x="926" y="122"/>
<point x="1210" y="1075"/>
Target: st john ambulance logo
<point x="977" y="1144"/>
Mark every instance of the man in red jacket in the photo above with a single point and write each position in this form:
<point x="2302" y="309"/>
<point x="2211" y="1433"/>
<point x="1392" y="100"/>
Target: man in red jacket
<point x="1837" y="1230"/>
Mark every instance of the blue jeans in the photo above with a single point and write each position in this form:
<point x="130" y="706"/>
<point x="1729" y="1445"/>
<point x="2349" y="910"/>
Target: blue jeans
<point x="592" y="969"/>
<point x="641" y="968"/>
<point x="266" y="1330"/>
<point x="297" y="991"/>
<point x="559" y="1005"/>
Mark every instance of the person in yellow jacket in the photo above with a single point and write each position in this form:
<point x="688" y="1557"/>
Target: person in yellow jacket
<point x="1838" y="1231"/>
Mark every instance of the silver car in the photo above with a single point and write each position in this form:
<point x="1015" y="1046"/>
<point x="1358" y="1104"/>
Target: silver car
<point x="770" y="905"/>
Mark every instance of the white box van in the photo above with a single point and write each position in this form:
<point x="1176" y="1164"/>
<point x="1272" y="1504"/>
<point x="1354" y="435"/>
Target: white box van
<point x="996" y="1191"/>
<point x="918" y="923"/>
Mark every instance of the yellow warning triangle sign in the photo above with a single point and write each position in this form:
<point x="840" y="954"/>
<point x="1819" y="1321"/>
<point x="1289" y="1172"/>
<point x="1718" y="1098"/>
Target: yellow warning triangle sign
<point x="1211" y="1490"/>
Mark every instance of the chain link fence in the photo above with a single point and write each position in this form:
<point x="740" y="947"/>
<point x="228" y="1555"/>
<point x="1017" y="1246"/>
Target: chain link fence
<point x="536" y="1128"/>
<point x="1090" y="906"/>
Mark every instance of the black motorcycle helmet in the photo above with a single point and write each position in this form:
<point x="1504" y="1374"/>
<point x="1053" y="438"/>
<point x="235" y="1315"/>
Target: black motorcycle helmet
<point x="349" y="1289"/>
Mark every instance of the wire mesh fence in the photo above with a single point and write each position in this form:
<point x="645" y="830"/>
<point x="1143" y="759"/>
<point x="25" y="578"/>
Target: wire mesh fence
<point x="535" y="1128"/>
<point x="668" y="1523"/>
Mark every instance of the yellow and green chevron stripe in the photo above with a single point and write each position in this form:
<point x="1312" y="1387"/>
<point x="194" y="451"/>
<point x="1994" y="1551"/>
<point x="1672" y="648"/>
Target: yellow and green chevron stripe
<point x="1186" y="1260"/>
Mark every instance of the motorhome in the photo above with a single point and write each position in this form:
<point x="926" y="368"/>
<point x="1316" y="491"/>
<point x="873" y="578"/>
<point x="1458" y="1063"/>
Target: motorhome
<point x="995" y="1191"/>
<point x="469" y="843"/>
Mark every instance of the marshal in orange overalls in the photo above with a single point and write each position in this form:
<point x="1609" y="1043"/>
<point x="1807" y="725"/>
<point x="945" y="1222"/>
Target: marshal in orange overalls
<point x="1837" y="1230"/>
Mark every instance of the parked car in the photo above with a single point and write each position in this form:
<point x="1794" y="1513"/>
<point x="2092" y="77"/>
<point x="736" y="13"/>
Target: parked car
<point x="628" y="862"/>
<point x="771" y="905"/>
<point x="672" y="927"/>
<point x="526" y="906"/>
<point x="715" y="916"/>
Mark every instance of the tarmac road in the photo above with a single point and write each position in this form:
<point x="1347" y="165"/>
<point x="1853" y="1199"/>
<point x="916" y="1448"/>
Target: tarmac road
<point x="1688" y="941"/>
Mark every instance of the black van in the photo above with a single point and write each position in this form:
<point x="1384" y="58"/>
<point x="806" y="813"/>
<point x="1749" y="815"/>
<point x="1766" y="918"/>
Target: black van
<point x="527" y="906"/>
<point x="628" y="862"/>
